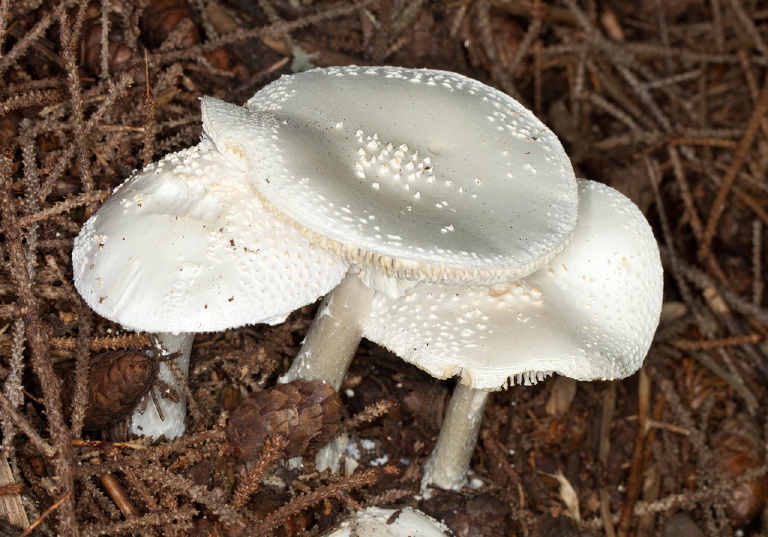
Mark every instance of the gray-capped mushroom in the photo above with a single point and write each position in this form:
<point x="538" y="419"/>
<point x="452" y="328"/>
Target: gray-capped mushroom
<point x="186" y="246"/>
<point x="589" y="314"/>
<point x="410" y="175"/>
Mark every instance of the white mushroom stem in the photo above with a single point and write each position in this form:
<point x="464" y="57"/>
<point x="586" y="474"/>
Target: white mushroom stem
<point x="448" y="464"/>
<point x="334" y="335"/>
<point x="149" y="422"/>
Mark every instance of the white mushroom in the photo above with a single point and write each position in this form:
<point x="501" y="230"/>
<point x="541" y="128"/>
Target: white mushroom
<point x="411" y="175"/>
<point x="589" y="314"/>
<point x="378" y="522"/>
<point x="186" y="246"/>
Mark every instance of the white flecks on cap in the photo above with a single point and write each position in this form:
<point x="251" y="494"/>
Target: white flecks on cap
<point x="589" y="314"/>
<point x="427" y="175"/>
<point x="379" y="522"/>
<point x="185" y="245"/>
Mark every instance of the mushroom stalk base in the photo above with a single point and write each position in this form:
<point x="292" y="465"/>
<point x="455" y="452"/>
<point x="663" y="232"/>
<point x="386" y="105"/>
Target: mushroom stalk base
<point x="334" y="335"/>
<point x="148" y="422"/>
<point x="448" y="464"/>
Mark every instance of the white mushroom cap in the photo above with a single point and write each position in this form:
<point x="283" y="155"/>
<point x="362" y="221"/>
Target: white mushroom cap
<point x="426" y="175"/>
<point x="590" y="314"/>
<point x="378" y="522"/>
<point x="185" y="245"/>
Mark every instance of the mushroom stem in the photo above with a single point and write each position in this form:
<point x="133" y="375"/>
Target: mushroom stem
<point x="148" y="422"/>
<point x="334" y="335"/>
<point x="448" y="464"/>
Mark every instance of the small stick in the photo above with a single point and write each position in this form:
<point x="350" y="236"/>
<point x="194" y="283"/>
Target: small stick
<point x="531" y="34"/>
<point x="45" y="514"/>
<point x="706" y="142"/>
<point x="64" y="206"/>
<point x="25" y="427"/>
<point x="368" y="414"/>
<point x="717" y="22"/>
<point x="149" y="106"/>
<point x="599" y="101"/>
<point x="609" y="404"/>
<point x="99" y="443"/>
<point x="274" y="449"/>
<point x="761" y="107"/>
<point x="194" y="409"/>
<point x="685" y="193"/>
<point x="300" y="502"/>
<point x="749" y="26"/>
<point x="710" y="344"/>
<point x="637" y="466"/>
<point x="651" y="424"/>
<point x="31" y="37"/>
<point x="108" y="343"/>
<point x="758" y="285"/>
<point x="104" y="52"/>
<point x="10" y="489"/>
<point x="751" y="84"/>
<point x="118" y="495"/>
<point x="79" y="404"/>
<point x="537" y="77"/>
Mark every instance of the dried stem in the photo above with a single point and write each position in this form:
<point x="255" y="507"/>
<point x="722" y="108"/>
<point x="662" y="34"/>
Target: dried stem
<point x="718" y="206"/>
<point x="41" y="362"/>
<point x="303" y="501"/>
<point x="37" y="440"/>
<point x="274" y="449"/>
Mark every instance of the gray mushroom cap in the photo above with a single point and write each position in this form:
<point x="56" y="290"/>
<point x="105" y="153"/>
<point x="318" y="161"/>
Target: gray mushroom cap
<point x="185" y="245"/>
<point x="422" y="174"/>
<point x="589" y="314"/>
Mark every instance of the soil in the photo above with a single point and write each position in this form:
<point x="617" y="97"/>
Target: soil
<point x="664" y="101"/>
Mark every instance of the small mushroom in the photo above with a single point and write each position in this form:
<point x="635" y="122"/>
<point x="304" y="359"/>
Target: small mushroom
<point x="588" y="314"/>
<point x="186" y="246"/>
<point x="379" y="522"/>
<point x="410" y="175"/>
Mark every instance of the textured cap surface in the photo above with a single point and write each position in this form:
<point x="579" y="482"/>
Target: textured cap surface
<point x="378" y="522"/>
<point x="590" y="314"/>
<point x="185" y="245"/>
<point x="425" y="174"/>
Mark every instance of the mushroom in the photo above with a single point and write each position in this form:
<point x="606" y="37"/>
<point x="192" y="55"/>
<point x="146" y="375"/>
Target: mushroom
<point x="185" y="246"/>
<point x="410" y="175"/>
<point x="589" y="314"/>
<point x="379" y="522"/>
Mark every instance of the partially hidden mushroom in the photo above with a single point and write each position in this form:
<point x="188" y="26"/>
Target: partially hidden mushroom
<point x="410" y="175"/>
<point x="589" y="314"/>
<point x="186" y="246"/>
<point x="380" y="522"/>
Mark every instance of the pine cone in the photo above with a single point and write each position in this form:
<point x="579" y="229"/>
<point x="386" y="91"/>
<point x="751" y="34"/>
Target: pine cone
<point x="737" y="449"/>
<point x="307" y="413"/>
<point x="117" y="380"/>
<point x="164" y="17"/>
<point x="118" y="52"/>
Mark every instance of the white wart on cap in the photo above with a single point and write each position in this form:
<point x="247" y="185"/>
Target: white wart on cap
<point x="421" y="174"/>
<point x="589" y="314"/>
<point x="185" y="245"/>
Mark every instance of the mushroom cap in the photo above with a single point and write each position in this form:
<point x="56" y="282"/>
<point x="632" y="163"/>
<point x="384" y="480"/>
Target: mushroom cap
<point x="375" y="522"/>
<point x="185" y="245"/>
<point x="426" y="175"/>
<point x="589" y="314"/>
